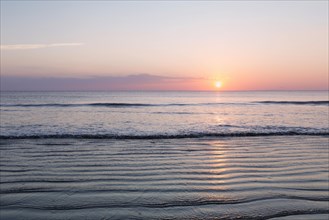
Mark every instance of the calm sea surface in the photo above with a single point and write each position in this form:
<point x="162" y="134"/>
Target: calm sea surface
<point x="164" y="155"/>
<point x="153" y="114"/>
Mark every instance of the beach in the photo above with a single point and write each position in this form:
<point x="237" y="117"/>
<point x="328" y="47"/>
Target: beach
<point x="188" y="178"/>
<point x="160" y="110"/>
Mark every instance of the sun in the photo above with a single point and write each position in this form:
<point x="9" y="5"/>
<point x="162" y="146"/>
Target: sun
<point x="218" y="84"/>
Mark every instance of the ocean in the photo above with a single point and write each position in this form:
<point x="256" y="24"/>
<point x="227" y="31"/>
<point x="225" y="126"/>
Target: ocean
<point x="164" y="155"/>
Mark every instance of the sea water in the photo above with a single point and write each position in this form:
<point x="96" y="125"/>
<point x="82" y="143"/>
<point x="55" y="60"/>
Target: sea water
<point x="162" y="114"/>
<point x="164" y="155"/>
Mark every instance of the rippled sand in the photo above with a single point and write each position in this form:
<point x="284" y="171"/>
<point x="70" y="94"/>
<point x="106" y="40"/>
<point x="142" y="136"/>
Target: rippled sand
<point x="281" y="177"/>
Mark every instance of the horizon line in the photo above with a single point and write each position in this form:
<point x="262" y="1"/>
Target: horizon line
<point x="139" y="90"/>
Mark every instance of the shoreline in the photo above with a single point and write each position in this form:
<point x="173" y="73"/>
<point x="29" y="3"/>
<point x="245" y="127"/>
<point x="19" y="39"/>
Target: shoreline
<point x="165" y="137"/>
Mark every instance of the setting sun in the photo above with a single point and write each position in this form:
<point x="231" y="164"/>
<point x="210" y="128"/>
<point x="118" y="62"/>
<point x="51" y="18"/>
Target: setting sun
<point x="218" y="84"/>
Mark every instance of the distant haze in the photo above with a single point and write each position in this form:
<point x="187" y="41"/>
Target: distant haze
<point x="164" y="45"/>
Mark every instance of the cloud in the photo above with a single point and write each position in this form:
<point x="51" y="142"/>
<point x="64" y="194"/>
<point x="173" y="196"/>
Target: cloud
<point x="128" y="82"/>
<point x="36" y="46"/>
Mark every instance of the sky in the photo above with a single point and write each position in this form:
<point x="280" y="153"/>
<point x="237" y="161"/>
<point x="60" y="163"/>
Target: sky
<point x="164" y="45"/>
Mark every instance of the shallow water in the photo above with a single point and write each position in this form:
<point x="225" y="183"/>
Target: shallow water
<point x="279" y="177"/>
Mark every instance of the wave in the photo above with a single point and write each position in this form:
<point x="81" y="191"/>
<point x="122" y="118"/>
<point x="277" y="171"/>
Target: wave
<point x="120" y="105"/>
<point x="166" y="136"/>
<point x="126" y="105"/>
<point x="295" y="102"/>
<point x="81" y="105"/>
<point x="113" y="105"/>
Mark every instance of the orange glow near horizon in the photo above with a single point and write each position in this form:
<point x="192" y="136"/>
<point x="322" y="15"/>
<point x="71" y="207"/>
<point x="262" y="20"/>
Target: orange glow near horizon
<point x="143" y="49"/>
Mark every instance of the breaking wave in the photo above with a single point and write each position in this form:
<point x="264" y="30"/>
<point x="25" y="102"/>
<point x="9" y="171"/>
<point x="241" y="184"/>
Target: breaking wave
<point x="127" y="105"/>
<point x="296" y="102"/>
<point x="167" y="136"/>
